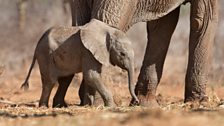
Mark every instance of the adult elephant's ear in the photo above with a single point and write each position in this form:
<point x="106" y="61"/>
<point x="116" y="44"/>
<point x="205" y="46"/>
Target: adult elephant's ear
<point x="94" y="37"/>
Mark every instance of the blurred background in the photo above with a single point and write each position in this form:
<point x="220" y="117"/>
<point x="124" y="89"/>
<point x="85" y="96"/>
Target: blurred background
<point x="22" y="22"/>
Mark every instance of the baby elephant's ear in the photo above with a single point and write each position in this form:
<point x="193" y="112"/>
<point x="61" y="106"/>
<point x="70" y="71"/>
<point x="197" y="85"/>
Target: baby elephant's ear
<point x="93" y="37"/>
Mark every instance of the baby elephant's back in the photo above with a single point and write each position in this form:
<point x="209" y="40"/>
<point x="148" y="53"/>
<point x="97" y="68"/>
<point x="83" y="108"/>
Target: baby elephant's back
<point x="66" y="48"/>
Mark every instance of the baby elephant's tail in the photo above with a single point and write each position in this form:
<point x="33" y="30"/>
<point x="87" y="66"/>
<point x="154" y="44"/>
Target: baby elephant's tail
<point x="25" y="85"/>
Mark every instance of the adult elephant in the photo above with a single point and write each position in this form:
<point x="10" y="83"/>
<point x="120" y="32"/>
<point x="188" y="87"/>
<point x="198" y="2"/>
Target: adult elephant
<point x="162" y="17"/>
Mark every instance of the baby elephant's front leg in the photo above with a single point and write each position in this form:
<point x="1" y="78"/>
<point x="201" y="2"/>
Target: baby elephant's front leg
<point x="93" y="78"/>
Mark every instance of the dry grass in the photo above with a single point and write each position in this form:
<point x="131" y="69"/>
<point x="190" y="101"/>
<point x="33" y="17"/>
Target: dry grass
<point x="175" y="113"/>
<point x="20" y="108"/>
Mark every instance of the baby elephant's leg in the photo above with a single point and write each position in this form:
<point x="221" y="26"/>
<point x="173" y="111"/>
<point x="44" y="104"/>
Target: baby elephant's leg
<point x="86" y="94"/>
<point x="105" y="94"/>
<point x="92" y="77"/>
<point x="47" y="86"/>
<point x="64" y="83"/>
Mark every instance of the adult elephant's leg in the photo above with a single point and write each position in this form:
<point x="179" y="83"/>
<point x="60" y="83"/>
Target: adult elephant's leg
<point x="81" y="12"/>
<point x="159" y="35"/>
<point x="203" y="26"/>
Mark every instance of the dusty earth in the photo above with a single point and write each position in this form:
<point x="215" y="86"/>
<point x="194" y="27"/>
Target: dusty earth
<point x="18" y="107"/>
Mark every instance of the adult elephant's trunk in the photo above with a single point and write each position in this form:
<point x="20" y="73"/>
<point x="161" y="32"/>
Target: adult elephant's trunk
<point x="130" y="71"/>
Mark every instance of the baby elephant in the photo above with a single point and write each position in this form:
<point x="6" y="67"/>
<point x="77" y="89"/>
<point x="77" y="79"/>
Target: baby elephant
<point x="65" y="51"/>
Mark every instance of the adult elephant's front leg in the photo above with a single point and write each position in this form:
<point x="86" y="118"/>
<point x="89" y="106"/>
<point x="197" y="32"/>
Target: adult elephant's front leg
<point x="203" y="25"/>
<point x="81" y="12"/>
<point x="159" y="35"/>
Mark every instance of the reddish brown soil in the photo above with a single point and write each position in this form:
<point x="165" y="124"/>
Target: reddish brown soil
<point x="18" y="107"/>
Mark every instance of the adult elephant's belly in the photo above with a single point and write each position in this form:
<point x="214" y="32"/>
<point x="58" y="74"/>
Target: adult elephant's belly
<point x="124" y="13"/>
<point x="148" y="10"/>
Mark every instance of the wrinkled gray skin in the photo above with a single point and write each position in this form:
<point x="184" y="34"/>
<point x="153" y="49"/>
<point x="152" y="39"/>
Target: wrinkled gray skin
<point x="122" y="14"/>
<point x="65" y="51"/>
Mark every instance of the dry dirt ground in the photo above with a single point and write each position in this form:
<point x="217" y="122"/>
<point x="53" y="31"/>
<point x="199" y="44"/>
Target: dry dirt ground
<point x="19" y="108"/>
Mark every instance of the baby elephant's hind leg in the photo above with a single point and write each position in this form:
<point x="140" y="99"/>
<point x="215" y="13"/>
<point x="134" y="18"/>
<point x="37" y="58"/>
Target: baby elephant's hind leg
<point x="64" y="83"/>
<point x="47" y="87"/>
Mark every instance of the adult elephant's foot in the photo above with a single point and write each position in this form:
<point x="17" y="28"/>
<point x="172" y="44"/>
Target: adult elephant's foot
<point x="146" y="101"/>
<point x="195" y="93"/>
<point x="200" y="99"/>
<point x="196" y="102"/>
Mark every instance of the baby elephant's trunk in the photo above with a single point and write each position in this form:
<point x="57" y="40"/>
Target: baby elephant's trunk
<point x="131" y="83"/>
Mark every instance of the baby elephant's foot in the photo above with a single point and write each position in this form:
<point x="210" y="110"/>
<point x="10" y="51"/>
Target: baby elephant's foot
<point x="59" y="104"/>
<point x="110" y="104"/>
<point x="97" y="100"/>
<point x="43" y="105"/>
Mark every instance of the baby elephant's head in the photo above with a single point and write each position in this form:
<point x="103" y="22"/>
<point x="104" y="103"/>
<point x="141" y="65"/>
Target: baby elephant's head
<point x="109" y="46"/>
<point x="120" y="50"/>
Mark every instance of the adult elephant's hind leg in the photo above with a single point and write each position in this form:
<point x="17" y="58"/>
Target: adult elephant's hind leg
<point x="64" y="83"/>
<point x="159" y="35"/>
<point x="203" y="25"/>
